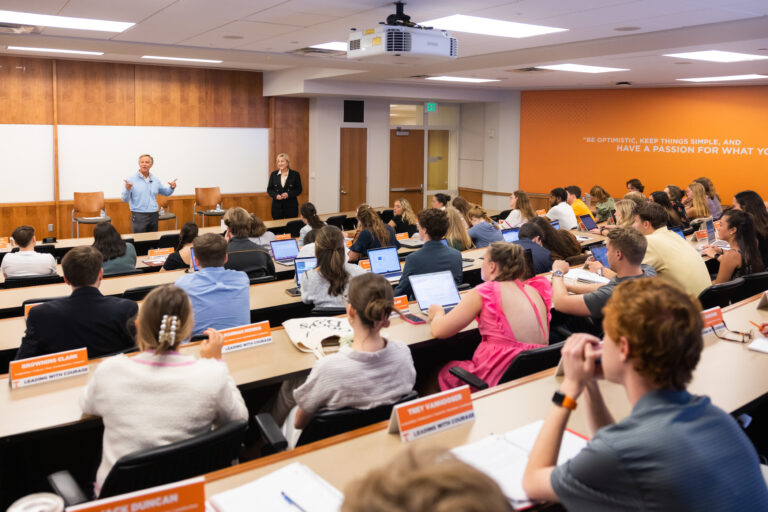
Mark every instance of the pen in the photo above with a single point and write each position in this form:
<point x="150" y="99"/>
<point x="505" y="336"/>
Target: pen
<point x="291" y="502"/>
<point x="753" y="323"/>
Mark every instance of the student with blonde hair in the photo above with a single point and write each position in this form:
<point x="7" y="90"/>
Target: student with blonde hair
<point x="483" y="231"/>
<point x="161" y="396"/>
<point x="457" y="235"/>
<point x="625" y="216"/>
<point x="403" y="217"/>
<point x="698" y="209"/>
<point x="463" y="206"/>
<point x="522" y="211"/>
<point x="325" y="285"/>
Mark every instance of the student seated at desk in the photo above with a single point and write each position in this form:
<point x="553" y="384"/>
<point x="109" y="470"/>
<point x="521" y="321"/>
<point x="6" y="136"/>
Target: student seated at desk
<point x="635" y="185"/>
<point x="604" y="203"/>
<point x="308" y="215"/>
<point x="512" y="315"/>
<point x="426" y="480"/>
<point x="259" y="234"/>
<point x="713" y="199"/>
<point x="403" y="217"/>
<point x="676" y="198"/>
<point x="457" y="235"/>
<point x="522" y="211"/>
<point x="181" y="258"/>
<point x="625" y="213"/>
<point x="371" y="372"/>
<point x="326" y="285"/>
<point x="440" y="201"/>
<point x="661" y="198"/>
<point x="743" y="257"/>
<point x="750" y="202"/>
<point x="433" y="256"/>
<point x="119" y="255"/>
<point x="160" y="396"/>
<point x="27" y="262"/>
<point x="560" y="210"/>
<point x="220" y="297"/>
<point x="698" y="207"/>
<point x="529" y="237"/>
<point x="242" y="253"/>
<point x="560" y="242"/>
<point x="483" y="231"/>
<point x="573" y="198"/>
<point x="373" y="233"/>
<point x="84" y="319"/>
<point x="675" y="451"/>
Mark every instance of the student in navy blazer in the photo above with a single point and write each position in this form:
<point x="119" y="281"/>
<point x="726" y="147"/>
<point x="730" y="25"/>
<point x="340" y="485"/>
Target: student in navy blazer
<point x="284" y="187"/>
<point x="434" y="256"/>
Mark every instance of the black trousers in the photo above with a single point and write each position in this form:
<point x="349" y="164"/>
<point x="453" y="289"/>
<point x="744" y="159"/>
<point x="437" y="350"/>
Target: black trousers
<point x="285" y="208"/>
<point x="144" y="222"/>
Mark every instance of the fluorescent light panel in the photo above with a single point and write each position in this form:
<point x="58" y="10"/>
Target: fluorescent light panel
<point x="581" y="68"/>
<point x="717" y="56"/>
<point x="53" y="50"/>
<point x="723" y="78"/>
<point x="489" y="26"/>
<point x="182" y="59"/>
<point x="462" y="79"/>
<point x="335" y="46"/>
<point x="45" y="20"/>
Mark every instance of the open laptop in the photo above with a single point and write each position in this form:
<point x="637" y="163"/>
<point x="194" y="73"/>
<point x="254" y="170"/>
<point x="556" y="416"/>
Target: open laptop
<point x="384" y="261"/>
<point x="711" y="236"/>
<point x="301" y="265"/>
<point x="555" y="224"/>
<point x="285" y="251"/>
<point x="600" y="253"/>
<point x="510" y="235"/>
<point x="588" y="221"/>
<point x="678" y="230"/>
<point x="435" y="288"/>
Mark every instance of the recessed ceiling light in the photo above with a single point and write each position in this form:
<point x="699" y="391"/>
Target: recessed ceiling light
<point x="52" y="50"/>
<point x="723" y="78"/>
<point x="338" y="46"/>
<point x="462" y="79"/>
<point x="45" y="20"/>
<point x="581" y="68"/>
<point x="489" y="27"/>
<point x="180" y="59"/>
<point x="717" y="56"/>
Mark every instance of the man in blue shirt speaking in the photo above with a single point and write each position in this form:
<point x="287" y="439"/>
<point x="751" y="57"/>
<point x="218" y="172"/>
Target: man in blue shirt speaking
<point x="140" y="193"/>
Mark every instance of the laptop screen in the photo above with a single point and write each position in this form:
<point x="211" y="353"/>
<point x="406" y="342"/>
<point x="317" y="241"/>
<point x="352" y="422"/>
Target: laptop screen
<point x="556" y="224"/>
<point x="510" y="235"/>
<point x="588" y="222"/>
<point x="384" y="260"/>
<point x="679" y="231"/>
<point x="302" y="265"/>
<point x="285" y="249"/>
<point x="600" y="252"/>
<point x="445" y="242"/>
<point x="711" y="231"/>
<point x="435" y="288"/>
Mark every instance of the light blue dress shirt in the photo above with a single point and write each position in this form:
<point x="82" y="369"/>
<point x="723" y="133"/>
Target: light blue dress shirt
<point x="220" y="297"/>
<point x="143" y="194"/>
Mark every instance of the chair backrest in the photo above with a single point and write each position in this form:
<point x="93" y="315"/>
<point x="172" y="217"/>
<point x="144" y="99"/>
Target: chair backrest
<point x="166" y="241"/>
<point x="162" y="201"/>
<point x="46" y="248"/>
<point x="19" y="282"/>
<point x="177" y="461"/>
<point x="386" y="215"/>
<point x="721" y="294"/>
<point x="349" y="223"/>
<point x="262" y="279"/>
<point x="412" y="229"/>
<point x="754" y="284"/>
<point x="294" y="227"/>
<point x="37" y="301"/>
<point x="336" y="220"/>
<point x="328" y="311"/>
<point x="327" y="423"/>
<point x="533" y="361"/>
<point x="138" y="293"/>
<point x="88" y="202"/>
<point x="207" y="197"/>
<point x="126" y="273"/>
<point x="504" y="214"/>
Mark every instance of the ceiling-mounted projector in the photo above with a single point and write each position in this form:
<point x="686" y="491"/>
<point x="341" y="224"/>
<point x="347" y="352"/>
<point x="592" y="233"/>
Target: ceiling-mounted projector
<point x="398" y="38"/>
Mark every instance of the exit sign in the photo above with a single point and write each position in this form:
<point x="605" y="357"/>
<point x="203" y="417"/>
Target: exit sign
<point x="430" y="107"/>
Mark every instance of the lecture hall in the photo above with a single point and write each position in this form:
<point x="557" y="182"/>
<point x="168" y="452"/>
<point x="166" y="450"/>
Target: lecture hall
<point x="416" y="256"/>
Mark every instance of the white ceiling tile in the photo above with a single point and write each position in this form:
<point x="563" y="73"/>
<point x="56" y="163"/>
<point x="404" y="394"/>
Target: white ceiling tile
<point x="37" y="7"/>
<point x="250" y="32"/>
<point x="114" y="10"/>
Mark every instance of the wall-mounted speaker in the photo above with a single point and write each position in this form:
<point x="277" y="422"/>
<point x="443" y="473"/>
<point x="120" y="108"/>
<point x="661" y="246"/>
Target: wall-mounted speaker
<point x="354" y="111"/>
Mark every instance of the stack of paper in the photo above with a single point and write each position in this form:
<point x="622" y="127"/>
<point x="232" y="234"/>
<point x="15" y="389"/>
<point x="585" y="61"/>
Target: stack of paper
<point x="579" y="274"/>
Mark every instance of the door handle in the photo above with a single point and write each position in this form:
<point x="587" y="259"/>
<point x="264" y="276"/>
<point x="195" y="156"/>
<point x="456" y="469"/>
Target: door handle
<point x="342" y="192"/>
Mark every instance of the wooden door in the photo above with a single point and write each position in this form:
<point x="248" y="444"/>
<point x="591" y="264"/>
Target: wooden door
<point x="406" y="167"/>
<point x="353" y="167"/>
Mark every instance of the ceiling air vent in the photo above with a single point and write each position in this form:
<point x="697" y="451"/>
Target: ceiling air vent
<point x="14" y="28"/>
<point x="528" y="70"/>
<point x="318" y="52"/>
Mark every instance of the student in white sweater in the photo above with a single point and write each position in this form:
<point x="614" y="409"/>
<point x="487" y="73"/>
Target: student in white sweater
<point x="325" y="285"/>
<point x="370" y="372"/>
<point x="308" y="214"/>
<point x="160" y="396"/>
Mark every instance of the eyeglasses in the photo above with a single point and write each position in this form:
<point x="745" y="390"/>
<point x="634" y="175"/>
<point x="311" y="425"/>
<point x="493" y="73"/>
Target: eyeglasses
<point x="746" y="337"/>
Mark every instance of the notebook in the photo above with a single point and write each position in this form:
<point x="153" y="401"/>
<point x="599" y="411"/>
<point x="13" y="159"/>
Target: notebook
<point x="285" y="251"/>
<point x="385" y="261"/>
<point x="435" y="288"/>
<point x="588" y="222"/>
<point x="600" y="253"/>
<point x="301" y="265"/>
<point x="510" y="235"/>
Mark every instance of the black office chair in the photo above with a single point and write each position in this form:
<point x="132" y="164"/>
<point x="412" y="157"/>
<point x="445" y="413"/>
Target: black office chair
<point x="261" y="279"/>
<point x="166" y="241"/>
<point x="138" y="293"/>
<point x="19" y="282"/>
<point x="37" y="301"/>
<point x="722" y="294"/>
<point x="328" y="311"/>
<point x="526" y="363"/>
<point x="350" y="223"/>
<point x="133" y="272"/>
<point x="294" y="227"/>
<point x="412" y="229"/>
<point x="42" y="248"/>
<point x="325" y="423"/>
<point x="504" y="214"/>
<point x="753" y="284"/>
<point x="161" y="465"/>
<point x="386" y="215"/>
<point x="464" y="286"/>
<point x="336" y="220"/>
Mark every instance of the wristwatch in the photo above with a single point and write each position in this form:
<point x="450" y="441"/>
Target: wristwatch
<point x="563" y="401"/>
<point x="557" y="273"/>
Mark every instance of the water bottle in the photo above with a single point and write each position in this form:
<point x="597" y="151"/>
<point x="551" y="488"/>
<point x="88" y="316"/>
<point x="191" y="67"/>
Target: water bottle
<point x="102" y="213"/>
<point x="218" y="207"/>
<point x="162" y="211"/>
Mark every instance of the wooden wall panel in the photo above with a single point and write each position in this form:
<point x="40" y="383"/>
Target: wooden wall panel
<point x="167" y="96"/>
<point x="36" y="215"/>
<point x="98" y="93"/>
<point x="289" y="120"/>
<point x="471" y="195"/>
<point x="26" y="91"/>
<point x="234" y="99"/>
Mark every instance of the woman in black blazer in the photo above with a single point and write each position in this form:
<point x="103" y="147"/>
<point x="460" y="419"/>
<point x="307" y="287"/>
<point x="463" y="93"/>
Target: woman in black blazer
<point x="284" y="202"/>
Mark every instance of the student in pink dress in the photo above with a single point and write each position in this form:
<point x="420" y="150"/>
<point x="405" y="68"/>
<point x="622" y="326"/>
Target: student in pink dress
<point x="512" y="315"/>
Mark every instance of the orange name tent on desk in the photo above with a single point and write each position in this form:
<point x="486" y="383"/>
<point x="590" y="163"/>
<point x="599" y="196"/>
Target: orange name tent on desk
<point x="36" y="370"/>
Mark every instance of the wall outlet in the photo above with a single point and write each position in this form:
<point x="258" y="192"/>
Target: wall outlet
<point x="50" y="227"/>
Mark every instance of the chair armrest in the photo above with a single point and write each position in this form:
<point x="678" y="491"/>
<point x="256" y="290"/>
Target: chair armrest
<point x="65" y="486"/>
<point x="274" y="440"/>
<point x="468" y="377"/>
<point x="464" y="286"/>
<point x="562" y="331"/>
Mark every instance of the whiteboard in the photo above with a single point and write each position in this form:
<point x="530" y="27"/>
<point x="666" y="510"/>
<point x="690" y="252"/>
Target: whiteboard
<point x="26" y="163"/>
<point x="99" y="158"/>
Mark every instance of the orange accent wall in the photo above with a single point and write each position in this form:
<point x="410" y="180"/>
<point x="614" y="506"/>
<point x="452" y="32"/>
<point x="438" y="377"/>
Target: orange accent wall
<point x="556" y="149"/>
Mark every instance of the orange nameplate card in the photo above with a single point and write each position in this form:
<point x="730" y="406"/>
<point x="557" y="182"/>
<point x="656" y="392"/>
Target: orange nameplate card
<point x="717" y="224"/>
<point x="365" y="264"/>
<point x="713" y="319"/>
<point x="246" y="336"/>
<point x="36" y="370"/>
<point x="541" y="212"/>
<point x="701" y="235"/>
<point x="4" y="240"/>
<point x="402" y="236"/>
<point x="348" y="242"/>
<point x="154" y="253"/>
<point x="432" y="414"/>
<point x="284" y="236"/>
<point x="401" y="303"/>
<point x="184" y="496"/>
<point x="5" y="247"/>
<point x="27" y="307"/>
